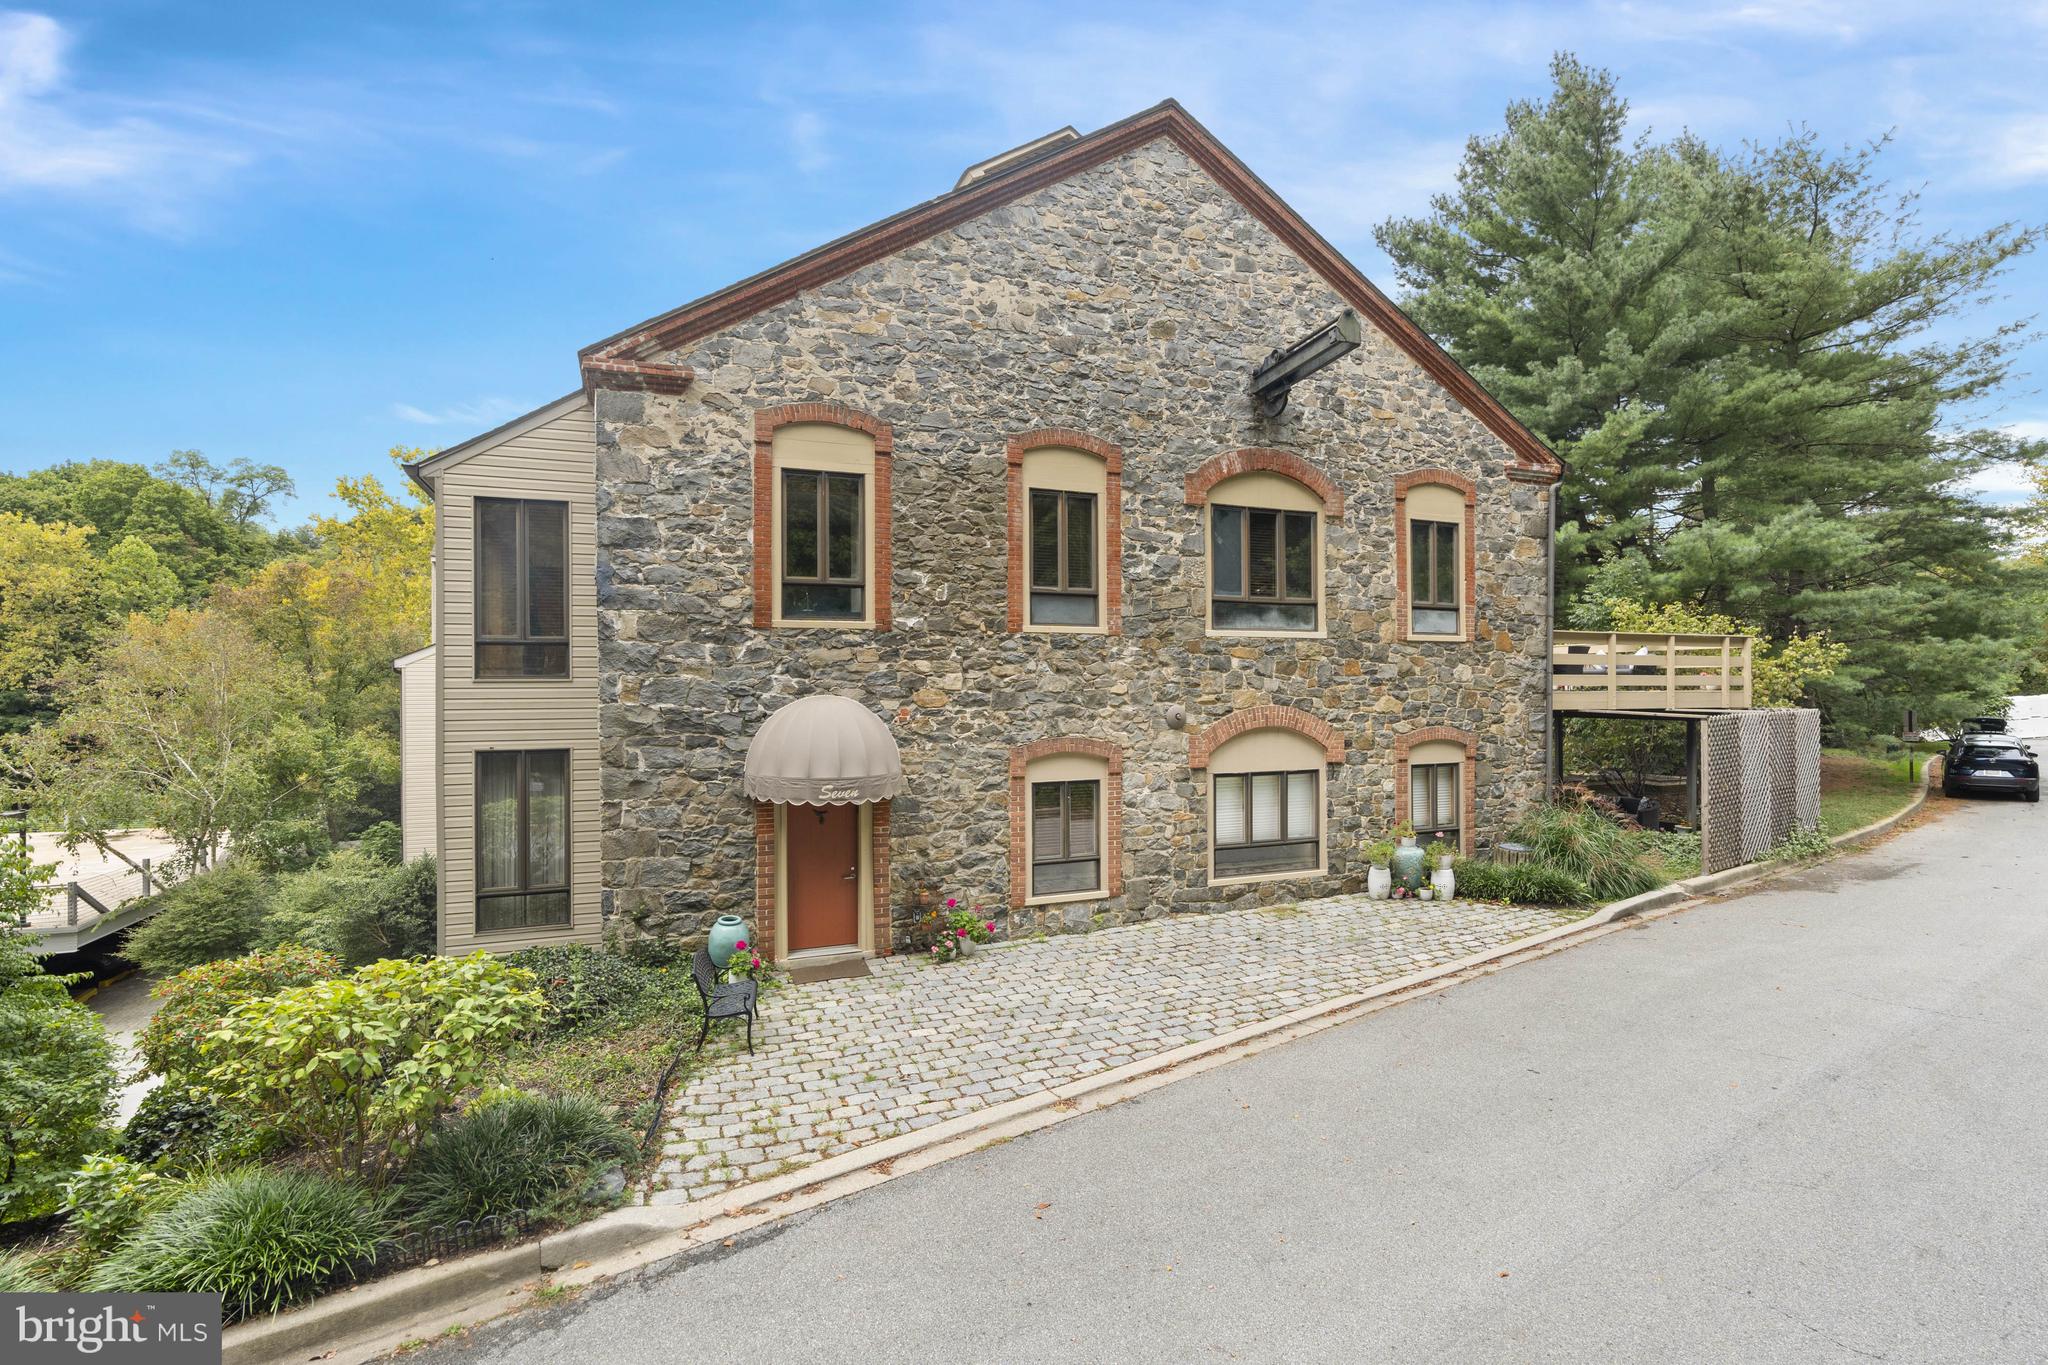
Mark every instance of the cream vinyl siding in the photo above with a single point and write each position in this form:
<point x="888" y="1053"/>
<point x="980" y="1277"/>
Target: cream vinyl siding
<point x="554" y="460"/>
<point x="418" y="791"/>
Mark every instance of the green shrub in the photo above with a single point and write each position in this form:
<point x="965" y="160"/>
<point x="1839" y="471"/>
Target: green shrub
<point x="262" y="1238"/>
<point x="108" y="1196"/>
<point x="582" y="983"/>
<point x="196" y="999"/>
<point x="277" y="846"/>
<point x="56" y="1071"/>
<point x="18" y="1275"/>
<point x="383" y="843"/>
<point x="175" y="1128"/>
<point x="204" y="918"/>
<point x="1801" y="844"/>
<point x="357" y="908"/>
<point x="1585" y="845"/>
<point x="1521" y="883"/>
<point x="520" y="1152"/>
<point x="357" y="1068"/>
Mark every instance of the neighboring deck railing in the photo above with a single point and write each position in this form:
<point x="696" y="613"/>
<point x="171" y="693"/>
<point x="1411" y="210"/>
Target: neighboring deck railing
<point x="1620" y="671"/>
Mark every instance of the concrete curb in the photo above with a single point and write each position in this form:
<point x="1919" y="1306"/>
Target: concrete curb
<point x="369" y="1319"/>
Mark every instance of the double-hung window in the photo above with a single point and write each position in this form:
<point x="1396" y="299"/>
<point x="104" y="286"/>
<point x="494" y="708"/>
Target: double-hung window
<point x="1262" y="569"/>
<point x="1433" y="802"/>
<point x="522" y="588"/>
<point x="1266" y="822"/>
<point x="824" y="556"/>
<point x="1433" y="577"/>
<point x="522" y="839"/>
<point x="1065" y="586"/>
<point x="1066" y="840"/>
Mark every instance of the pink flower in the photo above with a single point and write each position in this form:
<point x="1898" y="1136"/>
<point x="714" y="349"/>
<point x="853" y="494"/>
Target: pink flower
<point x="951" y="902"/>
<point x="757" y="962"/>
<point x="740" y="947"/>
<point x="959" y="933"/>
<point x="990" y="926"/>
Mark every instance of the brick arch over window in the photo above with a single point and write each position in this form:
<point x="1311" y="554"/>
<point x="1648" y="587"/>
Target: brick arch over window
<point x="1112" y="457"/>
<point x="1203" y="744"/>
<point x="1441" y="478"/>
<point x="1021" y="759"/>
<point x="766" y="422"/>
<point x="1283" y="462"/>
<point x="1468" y="775"/>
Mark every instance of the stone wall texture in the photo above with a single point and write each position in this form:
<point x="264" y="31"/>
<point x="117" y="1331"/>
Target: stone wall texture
<point x="1130" y="302"/>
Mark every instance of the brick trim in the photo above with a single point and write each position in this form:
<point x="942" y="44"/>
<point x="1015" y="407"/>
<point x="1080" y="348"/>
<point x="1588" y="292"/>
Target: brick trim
<point x="765" y="868"/>
<point x="1112" y="457"/>
<point x="1168" y="120"/>
<point x="1203" y="743"/>
<point x="1468" y="777"/>
<point x="635" y="376"/>
<point x="1468" y="610"/>
<point x="766" y="423"/>
<point x="1283" y="462"/>
<point x="1021" y="759"/>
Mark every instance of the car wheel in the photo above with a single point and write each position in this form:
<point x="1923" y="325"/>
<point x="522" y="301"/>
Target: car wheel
<point x="2033" y="796"/>
<point x="1948" y="789"/>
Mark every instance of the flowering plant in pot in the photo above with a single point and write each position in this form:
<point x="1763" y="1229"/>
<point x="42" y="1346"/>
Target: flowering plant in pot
<point x="1378" y="879"/>
<point x="955" y="932"/>
<point x="745" y="964"/>
<point x="1443" y="881"/>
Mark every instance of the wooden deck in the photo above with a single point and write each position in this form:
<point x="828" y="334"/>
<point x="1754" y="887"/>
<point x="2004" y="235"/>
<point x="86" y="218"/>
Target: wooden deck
<point x="1606" y="672"/>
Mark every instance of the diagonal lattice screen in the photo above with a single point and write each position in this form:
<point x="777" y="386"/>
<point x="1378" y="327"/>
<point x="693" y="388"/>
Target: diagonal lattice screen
<point x="1761" y="771"/>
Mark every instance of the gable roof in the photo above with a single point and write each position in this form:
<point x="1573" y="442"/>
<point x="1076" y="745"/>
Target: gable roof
<point x="423" y="472"/>
<point x="627" y="359"/>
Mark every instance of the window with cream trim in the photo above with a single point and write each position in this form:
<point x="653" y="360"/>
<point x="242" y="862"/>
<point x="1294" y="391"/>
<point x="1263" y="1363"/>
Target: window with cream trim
<point x="1064" y="827"/>
<point x="1436" y="564"/>
<point x="1436" y="781"/>
<point x="1267" y="801"/>
<point x="1265" y="557"/>
<point x="824" y="524"/>
<point x="1065" y="501"/>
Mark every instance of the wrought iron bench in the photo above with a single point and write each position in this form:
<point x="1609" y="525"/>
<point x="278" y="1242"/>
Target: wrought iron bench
<point x="727" y="1000"/>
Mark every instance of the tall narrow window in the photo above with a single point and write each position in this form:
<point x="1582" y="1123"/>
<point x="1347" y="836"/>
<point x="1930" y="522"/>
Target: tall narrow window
<point x="1433" y="577"/>
<point x="824" y="563"/>
<point x="1063" y="578"/>
<point x="522" y="588"/>
<point x="1266" y="822"/>
<point x="1263" y="574"/>
<point x="1066" y="844"/>
<point x="1433" y="802"/>
<point x="522" y="839"/>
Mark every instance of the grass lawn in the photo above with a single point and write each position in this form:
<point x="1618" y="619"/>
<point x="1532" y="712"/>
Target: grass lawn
<point x="1854" y="790"/>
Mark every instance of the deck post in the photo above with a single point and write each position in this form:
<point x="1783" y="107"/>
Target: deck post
<point x="1724" y="670"/>
<point x="1556" y="749"/>
<point x="1613" y="674"/>
<point x="1692" y="773"/>
<point x="1671" y="672"/>
<point x="1748" y="692"/>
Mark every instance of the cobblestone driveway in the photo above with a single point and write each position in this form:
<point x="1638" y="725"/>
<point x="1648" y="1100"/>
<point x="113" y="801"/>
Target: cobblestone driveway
<point x="842" y="1063"/>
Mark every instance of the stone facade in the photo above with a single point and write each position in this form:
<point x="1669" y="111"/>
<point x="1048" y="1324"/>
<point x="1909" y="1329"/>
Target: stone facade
<point x="1129" y="302"/>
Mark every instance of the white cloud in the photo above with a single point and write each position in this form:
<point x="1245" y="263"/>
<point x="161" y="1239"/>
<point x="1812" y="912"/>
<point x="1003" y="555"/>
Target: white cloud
<point x="481" y="413"/>
<point x="57" y="140"/>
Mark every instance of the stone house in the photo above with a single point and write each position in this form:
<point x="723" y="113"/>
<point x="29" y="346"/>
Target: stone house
<point x="956" y="558"/>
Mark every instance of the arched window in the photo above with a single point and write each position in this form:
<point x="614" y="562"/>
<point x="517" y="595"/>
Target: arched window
<point x="1264" y="532"/>
<point x="1066" y="573"/>
<point x="1433" y="540"/>
<point x="821" y="517"/>
<point x="1435" y="769"/>
<point x="1267" y="803"/>
<point x="1066" y="825"/>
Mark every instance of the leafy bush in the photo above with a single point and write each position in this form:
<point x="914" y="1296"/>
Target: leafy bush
<point x="357" y="908"/>
<point x="356" y="1069"/>
<point x="277" y="846"/>
<point x="515" y="1153"/>
<point x="1801" y="844"/>
<point x="383" y="843"/>
<point x="1592" y="849"/>
<point x="18" y="1275"/>
<point x="196" y="999"/>
<point x="174" y="1127"/>
<point x="204" y="918"/>
<point x="262" y="1238"/>
<point x="56" y="1066"/>
<point x="582" y="983"/>
<point x="1521" y="883"/>
<point x="108" y="1196"/>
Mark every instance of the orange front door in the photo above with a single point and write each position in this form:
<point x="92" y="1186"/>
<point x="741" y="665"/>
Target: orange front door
<point x="824" y="876"/>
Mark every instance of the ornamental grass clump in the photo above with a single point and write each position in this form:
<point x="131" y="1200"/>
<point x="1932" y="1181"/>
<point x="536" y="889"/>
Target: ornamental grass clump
<point x="262" y="1238"/>
<point x="515" y="1154"/>
<point x="1518" y="883"/>
<point x="1612" y="862"/>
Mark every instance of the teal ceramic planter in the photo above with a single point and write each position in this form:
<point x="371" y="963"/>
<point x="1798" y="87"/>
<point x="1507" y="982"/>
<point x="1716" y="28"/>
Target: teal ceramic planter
<point x="1408" y="865"/>
<point x="727" y="932"/>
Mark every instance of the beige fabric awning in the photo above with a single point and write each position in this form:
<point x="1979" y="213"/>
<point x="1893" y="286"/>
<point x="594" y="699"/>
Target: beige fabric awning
<point x="823" y="751"/>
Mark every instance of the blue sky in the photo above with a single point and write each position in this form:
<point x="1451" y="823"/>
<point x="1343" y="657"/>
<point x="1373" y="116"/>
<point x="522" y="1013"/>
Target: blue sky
<point x="305" y="233"/>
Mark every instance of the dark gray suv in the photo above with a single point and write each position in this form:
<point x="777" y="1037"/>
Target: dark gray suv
<point x="1990" y="763"/>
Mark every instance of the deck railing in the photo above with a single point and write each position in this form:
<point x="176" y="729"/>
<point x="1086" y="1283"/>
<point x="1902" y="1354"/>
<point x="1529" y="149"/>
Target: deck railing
<point x="1623" y="671"/>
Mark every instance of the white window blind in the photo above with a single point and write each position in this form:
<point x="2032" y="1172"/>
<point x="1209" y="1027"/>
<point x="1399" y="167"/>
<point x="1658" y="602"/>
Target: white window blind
<point x="1301" y="806"/>
<point x="1266" y="809"/>
<point x="1230" y="826"/>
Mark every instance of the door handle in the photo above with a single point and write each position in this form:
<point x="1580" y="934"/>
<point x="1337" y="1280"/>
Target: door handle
<point x="851" y="873"/>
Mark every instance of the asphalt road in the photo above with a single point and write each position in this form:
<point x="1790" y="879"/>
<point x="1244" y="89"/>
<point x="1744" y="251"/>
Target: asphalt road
<point x="1806" y="1125"/>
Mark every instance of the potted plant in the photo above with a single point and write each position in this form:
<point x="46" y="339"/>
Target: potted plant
<point x="1407" y="859"/>
<point x="959" y="932"/>
<point x="1378" y="879"/>
<point x="1443" y="879"/>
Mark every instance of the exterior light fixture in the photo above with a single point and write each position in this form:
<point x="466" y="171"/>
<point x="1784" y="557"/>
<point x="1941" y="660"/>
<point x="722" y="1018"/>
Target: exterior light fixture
<point x="1284" y="369"/>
